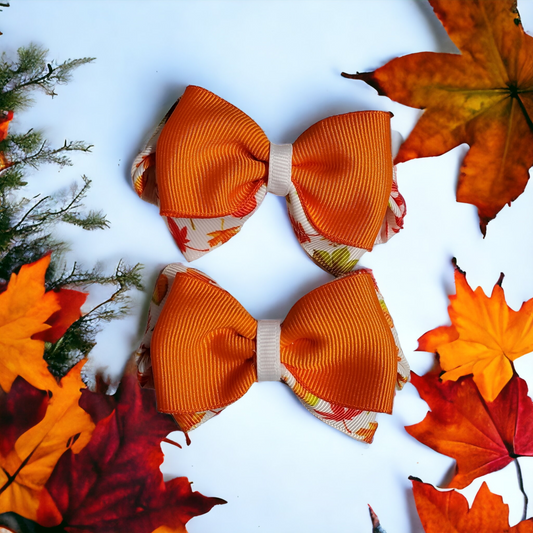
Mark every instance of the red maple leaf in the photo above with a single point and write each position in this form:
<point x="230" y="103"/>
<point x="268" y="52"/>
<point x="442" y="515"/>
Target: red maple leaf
<point x="340" y="414"/>
<point x="115" y="484"/>
<point x="481" y="436"/>
<point x="20" y="409"/>
<point x="70" y="302"/>
<point x="180" y="236"/>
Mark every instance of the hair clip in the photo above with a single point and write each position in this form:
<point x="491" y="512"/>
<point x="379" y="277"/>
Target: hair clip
<point x="337" y="349"/>
<point x="208" y="166"/>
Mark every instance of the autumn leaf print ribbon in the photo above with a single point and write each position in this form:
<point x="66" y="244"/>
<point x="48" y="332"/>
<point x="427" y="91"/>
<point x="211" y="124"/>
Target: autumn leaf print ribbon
<point x="209" y="166"/>
<point x="338" y="351"/>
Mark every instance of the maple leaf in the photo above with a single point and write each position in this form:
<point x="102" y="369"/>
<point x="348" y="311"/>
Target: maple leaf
<point x="222" y="236"/>
<point x="337" y="262"/>
<point x="299" y="231"/>
<point x="340" y="414"/>
<point x="34" y="441"/>
<point x="114" y="483"/>
<point x="24" y="310"/>
<point x="485" y="336"/>
<point x="482" y="97"/>
<point x="180" y="236"/>
<point x="5" y="120"/>
<point x="481" y="436"/>
<point x="70" y="302"/>
<point x="4" y="126"/>
<point x="448" y="512"/>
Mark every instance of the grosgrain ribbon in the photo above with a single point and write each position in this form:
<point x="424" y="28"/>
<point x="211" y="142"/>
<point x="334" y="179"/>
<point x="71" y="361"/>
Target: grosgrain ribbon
<point x="336" y="349"/>
<point x="209" y="166"/>
<point x="268" y="360"/>
<point x="279" y="169"/>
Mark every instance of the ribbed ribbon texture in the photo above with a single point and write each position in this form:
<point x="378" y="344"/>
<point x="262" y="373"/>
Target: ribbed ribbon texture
<point x="335" y="341"/>
<point x="212" y="159"/>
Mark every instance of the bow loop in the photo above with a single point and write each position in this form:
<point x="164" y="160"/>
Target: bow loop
<point x="337" y="344"/>
<point x="205" y="345"/>
<point x="211" y="158"/>
<point x="342" y="171"/>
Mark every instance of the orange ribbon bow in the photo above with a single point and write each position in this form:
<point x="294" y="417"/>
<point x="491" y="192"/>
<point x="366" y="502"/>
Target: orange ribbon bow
<point x="337" y="350"/>
<point x="208" y="166"/>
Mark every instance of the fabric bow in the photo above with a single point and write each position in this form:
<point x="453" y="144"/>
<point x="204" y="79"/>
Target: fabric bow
<point x="337" y="349"/>
<point x="208" y="166"/>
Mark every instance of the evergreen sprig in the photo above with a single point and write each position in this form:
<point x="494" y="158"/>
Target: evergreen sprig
<point x="32" y="71"/>
<point x="79" y="339"/>
<point x="27" y="224"/>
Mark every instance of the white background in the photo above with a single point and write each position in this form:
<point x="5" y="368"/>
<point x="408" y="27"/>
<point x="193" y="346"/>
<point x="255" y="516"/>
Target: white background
<point x="279" y="468"/>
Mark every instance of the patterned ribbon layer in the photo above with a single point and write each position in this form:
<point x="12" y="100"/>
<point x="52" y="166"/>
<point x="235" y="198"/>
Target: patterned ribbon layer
<point x="338" y="348"/>
<point x="207" y="167"/>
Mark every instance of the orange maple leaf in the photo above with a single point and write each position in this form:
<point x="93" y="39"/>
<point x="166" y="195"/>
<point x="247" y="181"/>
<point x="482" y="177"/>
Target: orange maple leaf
<point x="299" y="231"/>
<point x="448" y="512"/>
<point x="5" y="120"/>
<point x="485" y="336"/>
<point x="222" y="236"/>
<point x="26" y="465"/>
<point x="24" y="310"/>
<point x="482" y="97"/>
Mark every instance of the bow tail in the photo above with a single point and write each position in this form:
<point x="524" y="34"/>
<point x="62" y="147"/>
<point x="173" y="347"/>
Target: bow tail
<point x="189" y="421"/>
<point x="393" y="221"/>
<point x="356" y="423"/>
<point x="197" y="236"/>
<point x="337" y="259"/>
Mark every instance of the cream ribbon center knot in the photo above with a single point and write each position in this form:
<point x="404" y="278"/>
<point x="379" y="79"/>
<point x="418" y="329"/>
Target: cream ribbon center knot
<point x="279" y="169"/>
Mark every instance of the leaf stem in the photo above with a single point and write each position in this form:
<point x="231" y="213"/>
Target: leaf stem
<point x="521" y="486"/>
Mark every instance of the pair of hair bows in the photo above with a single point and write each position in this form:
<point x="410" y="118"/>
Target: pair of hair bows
<point x="208" y="167"/>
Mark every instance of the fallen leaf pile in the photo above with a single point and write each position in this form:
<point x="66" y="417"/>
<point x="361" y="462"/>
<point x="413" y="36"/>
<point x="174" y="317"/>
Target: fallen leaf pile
<point x="482" y="97"/>
<point x="72" y="459"/>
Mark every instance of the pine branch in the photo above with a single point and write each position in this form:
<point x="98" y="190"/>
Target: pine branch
<point x="25" y="226"/>
<point x="79" y="339"/>
<point x="30" y="149"/>
<point x="32" y="71"/>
